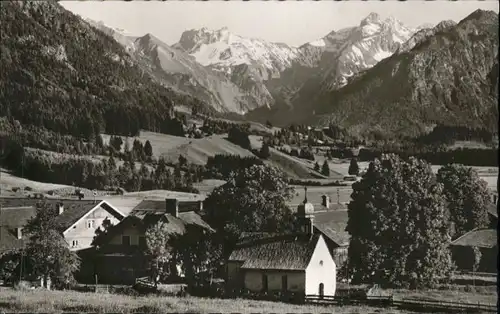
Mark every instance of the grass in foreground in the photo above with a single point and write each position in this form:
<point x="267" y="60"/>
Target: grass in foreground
<point x="71" y="301"/>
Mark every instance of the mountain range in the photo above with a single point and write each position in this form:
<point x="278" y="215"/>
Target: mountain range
<point x="406" y="80"/>
<point x="326" y="80"/>
<point x="256" y="73"/>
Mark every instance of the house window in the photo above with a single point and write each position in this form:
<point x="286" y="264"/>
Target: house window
<point x="284" y="283"/>
<point x="320" y="263"/>
<point x="264" y="282"/>
<point x="90" y="224"/>
<point x="142" y="241"/>
<point x="126" y="240"/>
<point x="74" y="243"/>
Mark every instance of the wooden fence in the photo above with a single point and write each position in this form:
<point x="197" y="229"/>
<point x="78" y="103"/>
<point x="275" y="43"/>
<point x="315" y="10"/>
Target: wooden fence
<point x="101" y="288"/>
<point x="144" y="284"/>
<point x="410" y="304"/>
<point x="475" y="273"/>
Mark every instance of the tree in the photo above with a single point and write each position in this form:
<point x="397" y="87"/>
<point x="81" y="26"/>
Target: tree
<point x="398" y="225"/>
<point x="353" y="168"/>
<point x="239" y="137"/>
<point x="253" y="199"/>
<point x="182" y="160"/>
<point x="158" y="249"/>
<point x="99" y="142"/>
<point x="467" y="197"/>
<point x="100" y="232"/>
<point x="148" y="149"/>
<point x="264" y="151"/>
<point x="325" y="169"/>
<point x="9" y="265"/>
<point x="126" y="148"/>
<point x="47" y="249"/>
<point x="316" y="166"/>
<point x="198" y="252"/>
<point x="116" y="142"/>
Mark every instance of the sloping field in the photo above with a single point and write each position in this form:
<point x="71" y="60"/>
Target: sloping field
<point x="292" y="166"/>
<point x="208" y="185"/>
<point x="295" y="167"/>
<point x="301" y="168"/>
<point x="58" y="157"/>
<point x="9" y="181"/>
<point x="196" y="151"/>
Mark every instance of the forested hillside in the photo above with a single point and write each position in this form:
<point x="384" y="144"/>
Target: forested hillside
<point x="61" y="74"/>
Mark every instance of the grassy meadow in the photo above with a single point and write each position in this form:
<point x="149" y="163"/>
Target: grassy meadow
<point x="40" y="301"/>
<point x="196" y="151"/>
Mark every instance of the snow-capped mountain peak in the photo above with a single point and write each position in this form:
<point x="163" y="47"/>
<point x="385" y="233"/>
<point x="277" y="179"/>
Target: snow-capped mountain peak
<point x="222" y="50"/>
<point x="344" y="53"/>
<point x="371" y="18"/>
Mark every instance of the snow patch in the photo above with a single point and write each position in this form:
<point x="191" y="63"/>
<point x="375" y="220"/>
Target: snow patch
<point x="318" y="43"/>
<point x="381" y="54"/>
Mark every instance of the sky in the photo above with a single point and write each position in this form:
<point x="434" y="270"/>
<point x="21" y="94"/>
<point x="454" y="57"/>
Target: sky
<point x="290" y="22"/>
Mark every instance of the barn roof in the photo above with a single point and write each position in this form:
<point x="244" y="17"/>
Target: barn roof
<point x="484" y="238"/>
<point x="332" y="225"/>
<point x="275" y="252"/>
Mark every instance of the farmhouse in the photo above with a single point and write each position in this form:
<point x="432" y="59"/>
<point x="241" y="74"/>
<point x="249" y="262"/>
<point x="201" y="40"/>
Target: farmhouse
<point x="77" y="219"/>
<point x="299" y="262"/>
<point x="485" y="241"/>
<point x="120" y="257"/>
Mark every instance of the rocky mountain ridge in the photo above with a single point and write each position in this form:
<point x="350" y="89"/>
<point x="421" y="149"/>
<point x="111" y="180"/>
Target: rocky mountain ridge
<point x="177" y="69"/>
<point x="448" y="77"/>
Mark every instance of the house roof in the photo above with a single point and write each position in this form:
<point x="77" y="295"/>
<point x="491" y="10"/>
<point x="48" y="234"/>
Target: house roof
<point x="275" y="252"/>
<point x="332" y="225"/>
<point x="176" y="224"/>
<point x="484" y="238"/>
<point x="493" y="210"/>
<point x="15" y="217"/>
<point x="16" y="212"/>
<point x="9" y="240"/>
